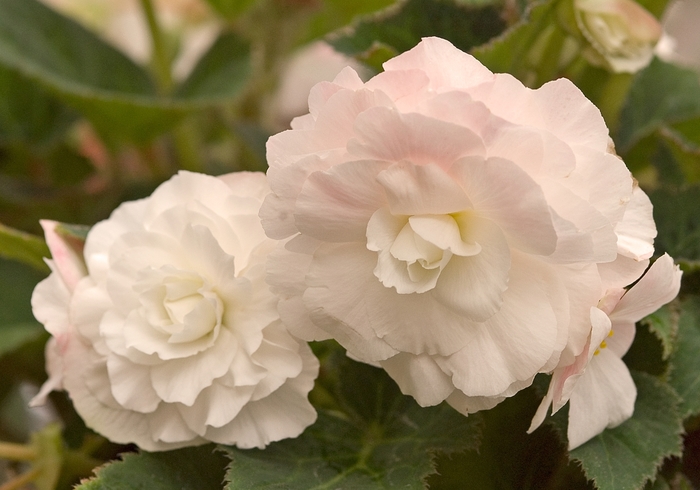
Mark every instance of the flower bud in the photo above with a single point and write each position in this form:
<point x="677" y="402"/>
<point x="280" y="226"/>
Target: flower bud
<point x="621" y="34"/>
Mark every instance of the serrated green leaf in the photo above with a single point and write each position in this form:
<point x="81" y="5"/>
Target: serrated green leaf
<point x="221" y="73"/>
<point x="664" y="324"/>
<point x="21" y="246"/>
<point x="625" y="457"/>
<point x="510" y="458"/>
<point x="662" y="94"/>
<point x="508" y="53"/>
<point x="677" y="221"/>
<point x="334" y="14"/>
<point x="200" y="468"/>
<point x="382" y="440"/>
<point x="685" y="362"/>
<point x="403" y="25"/>
<point x="118" y="96"/>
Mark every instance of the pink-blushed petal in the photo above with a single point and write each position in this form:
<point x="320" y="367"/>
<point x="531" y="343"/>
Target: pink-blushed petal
<point x="347" y="300"/>
<point x="446" y="65"/>
<point x="558" y="107"/>
<point x="400" y="84"/>
<point x="603" y="397"/>
<point x="621" y="272"/>
<point x="537" y="152"/>
<point x="637" y="230"/>
<point x="386" y="134"/>
<point x="336" y="205"/>
<point x="583" y="233"/>
<point x="277" y="210"/>
<point x="474" y="286"/>
<point x="422" y="189"/>
<point x="657" y="287"/>
<point x="503" y="192"/>
<point x="513" y="344"/>
<point x="66" y="254"/>
<point x="420" y="377"/>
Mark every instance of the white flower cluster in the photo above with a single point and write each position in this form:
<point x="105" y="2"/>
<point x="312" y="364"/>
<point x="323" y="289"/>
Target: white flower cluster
<point x="443" y="222"/>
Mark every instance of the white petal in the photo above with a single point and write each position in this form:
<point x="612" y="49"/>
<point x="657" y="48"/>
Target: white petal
<point x="604" y="397"/>
<point x="657" y="287"/>
<point x="637" y="230"/>
<point x="420" y="377"/>
<point x="474" y="286"/>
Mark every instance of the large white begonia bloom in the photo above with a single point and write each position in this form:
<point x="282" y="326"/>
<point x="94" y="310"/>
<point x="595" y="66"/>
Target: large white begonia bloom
<point x="171" y="337"/>
<point x="447" y="223"/>
<point x="598" y="385"/>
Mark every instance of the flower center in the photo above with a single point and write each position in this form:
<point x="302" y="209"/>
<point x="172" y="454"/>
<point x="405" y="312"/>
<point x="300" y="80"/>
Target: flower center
<point x="179" y="304"/>
<point x="413" y="250"/>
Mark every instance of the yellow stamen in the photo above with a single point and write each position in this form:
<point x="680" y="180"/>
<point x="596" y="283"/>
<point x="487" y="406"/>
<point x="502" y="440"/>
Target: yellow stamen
<point x="597" y="351"/>
<point x="611" y="333"/>
<point x="603" y="344"/>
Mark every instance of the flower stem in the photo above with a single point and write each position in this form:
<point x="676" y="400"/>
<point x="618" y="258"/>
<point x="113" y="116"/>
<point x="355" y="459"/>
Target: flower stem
<point x="161" y="63"/>
<point x="20" y="480"/>
<point x="17" y="452"/>
<point x="185" y="143"/>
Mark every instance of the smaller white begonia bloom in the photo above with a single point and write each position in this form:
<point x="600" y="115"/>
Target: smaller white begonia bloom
<point x="447" y="223"/>
<point x="598" y="385"/>
<point x="621" y="33"/>
<point x="171" y="336"/>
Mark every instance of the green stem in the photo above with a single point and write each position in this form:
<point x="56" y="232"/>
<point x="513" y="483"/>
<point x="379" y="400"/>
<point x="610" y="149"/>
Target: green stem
<point x="160" y="58"/>
<point x="185" y="143"/>
<point x="17" y="452"/>
<point x="21" y="480"/>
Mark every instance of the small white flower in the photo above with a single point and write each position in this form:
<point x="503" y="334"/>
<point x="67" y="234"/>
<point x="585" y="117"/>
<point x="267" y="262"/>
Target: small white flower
<point x="171" y="337"/>
<point x="598" y="385"/>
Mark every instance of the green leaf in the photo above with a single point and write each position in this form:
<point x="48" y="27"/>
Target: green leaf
<point x="334" y="14"/>
<point x="685" y="362"/>
<point x="628" y="455"/>
<point x="677" y="221"/>
<point x="230" y="9"/>
<point x="510" y="52"/>
<point x="402" y="26"/>
<point x="510" y="458"/>
<point x="664" y="324"/>
<point x="17" y="324"/>
<point x="118" y="96"/>
<point x="221" y="73"/>
<point x="381" y="439"/>
<point x="662" y="94"/>
<point x="21" y="246"/>
<point x="27" y="112"/>
<point x="200" y="468"/>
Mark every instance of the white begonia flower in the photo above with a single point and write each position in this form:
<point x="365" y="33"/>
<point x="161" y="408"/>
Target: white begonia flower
<point x="598" y="385"/>
<point x="171" y="336"/>
<point x="621" y="33"/>
<point x="447" y="223"/>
